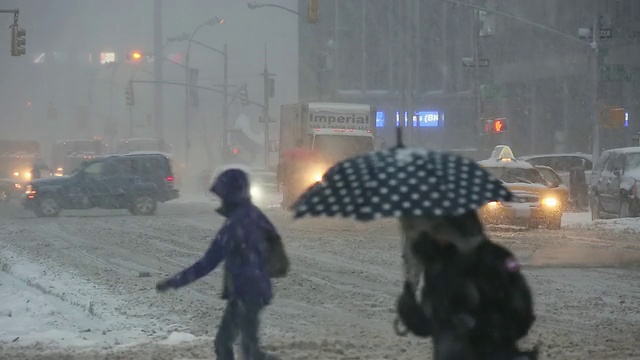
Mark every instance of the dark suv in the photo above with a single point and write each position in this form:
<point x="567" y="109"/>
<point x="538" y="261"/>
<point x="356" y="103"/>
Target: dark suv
<point x="614" y="186"/>
<point x="136" y="182"/>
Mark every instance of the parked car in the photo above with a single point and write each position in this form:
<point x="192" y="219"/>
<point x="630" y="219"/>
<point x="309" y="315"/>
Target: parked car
<point x="613" y="188"/>
<point x="136" y="182"/>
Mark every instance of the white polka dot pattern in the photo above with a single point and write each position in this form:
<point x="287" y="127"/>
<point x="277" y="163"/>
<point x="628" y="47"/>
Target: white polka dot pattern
<point x="401" y="182"/>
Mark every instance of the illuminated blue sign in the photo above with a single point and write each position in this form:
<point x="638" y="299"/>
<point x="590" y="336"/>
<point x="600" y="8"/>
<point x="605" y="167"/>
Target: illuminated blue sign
<point x="626" y="119"/>
<point x="422" y="119"/>
<point x="379" y="119"/>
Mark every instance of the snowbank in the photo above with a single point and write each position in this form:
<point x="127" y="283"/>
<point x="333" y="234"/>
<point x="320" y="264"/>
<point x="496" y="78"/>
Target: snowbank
<point x="583" y="221"/>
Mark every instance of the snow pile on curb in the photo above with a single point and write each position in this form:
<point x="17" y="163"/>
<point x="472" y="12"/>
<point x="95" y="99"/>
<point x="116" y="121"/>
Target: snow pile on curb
<point x="583" y="221"/>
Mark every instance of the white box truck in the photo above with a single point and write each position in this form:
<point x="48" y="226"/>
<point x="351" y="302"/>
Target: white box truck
<point x="328" y="132"/>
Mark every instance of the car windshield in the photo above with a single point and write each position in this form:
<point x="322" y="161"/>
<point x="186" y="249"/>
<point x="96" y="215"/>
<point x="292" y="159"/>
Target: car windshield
<point x="517" y="175"/>
<point x="632" y="161"/>
<point x="264" y="178"/>
<point x="550" y="176"/>
<point x="340" y="147"/>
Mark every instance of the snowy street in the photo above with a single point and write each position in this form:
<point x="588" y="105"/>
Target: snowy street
<point x="82" y="285"/>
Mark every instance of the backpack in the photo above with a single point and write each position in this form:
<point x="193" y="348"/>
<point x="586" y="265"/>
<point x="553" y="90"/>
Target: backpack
<point x="278" y="260"/>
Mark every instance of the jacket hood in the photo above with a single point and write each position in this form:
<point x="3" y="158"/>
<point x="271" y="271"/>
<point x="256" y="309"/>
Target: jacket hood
<point x="232" y="186"/>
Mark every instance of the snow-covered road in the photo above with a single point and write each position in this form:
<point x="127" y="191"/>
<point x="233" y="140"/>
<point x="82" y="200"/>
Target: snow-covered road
<point x="82" y="286"/>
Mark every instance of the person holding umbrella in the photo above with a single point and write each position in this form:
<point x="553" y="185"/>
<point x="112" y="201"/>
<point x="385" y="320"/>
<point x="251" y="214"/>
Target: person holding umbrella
<point x="253" y="253"/>
<point x="475" y="302"/>
<point x="435" y="196"/>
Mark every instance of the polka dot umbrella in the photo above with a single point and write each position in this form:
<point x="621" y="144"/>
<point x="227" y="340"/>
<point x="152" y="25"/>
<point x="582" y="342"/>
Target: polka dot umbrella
<point x="401" y="182"/>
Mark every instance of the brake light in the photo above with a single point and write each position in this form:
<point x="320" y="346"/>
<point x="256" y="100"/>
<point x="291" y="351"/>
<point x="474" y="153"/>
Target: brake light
<point x="235" y="151"/>
<point x="169" y="178"/>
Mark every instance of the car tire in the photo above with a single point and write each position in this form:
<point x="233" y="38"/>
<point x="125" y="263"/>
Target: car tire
<point x="555" y="223"/>
<point x="595" y="209"/>
<point x="47" y="207"/>
<point x="143" y="205"/>
<point x="532" y="225"/>
<point x="624" y="209"/>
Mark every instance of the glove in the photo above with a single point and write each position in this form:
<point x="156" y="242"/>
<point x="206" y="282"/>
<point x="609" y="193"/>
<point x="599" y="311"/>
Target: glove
<point x="164" y="285"/>
<point x="411" y="315"/>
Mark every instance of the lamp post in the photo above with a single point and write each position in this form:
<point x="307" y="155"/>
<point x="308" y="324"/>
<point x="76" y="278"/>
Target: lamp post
<point x="256" y="5"/>
<point x="225" y="85"/>
<point x="210" y="22"/>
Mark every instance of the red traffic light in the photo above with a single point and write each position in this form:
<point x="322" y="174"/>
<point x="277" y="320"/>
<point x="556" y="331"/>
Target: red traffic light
<point x="235" y="151"/>
<point x="496" y="126"/>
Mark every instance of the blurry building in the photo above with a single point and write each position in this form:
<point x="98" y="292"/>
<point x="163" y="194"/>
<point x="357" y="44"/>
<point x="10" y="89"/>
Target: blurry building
<point x="407" y="56"/>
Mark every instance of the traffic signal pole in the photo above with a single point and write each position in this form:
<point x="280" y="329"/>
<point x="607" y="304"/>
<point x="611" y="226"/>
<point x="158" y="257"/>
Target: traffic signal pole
<point x="225" y="107"/>
<point x="265" y="109"/>
<point x="596" y="64"/>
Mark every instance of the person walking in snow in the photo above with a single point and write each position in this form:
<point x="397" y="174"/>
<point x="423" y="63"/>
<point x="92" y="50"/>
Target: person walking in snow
<point x="253" y="253"/>
<point x="475" y="303"/>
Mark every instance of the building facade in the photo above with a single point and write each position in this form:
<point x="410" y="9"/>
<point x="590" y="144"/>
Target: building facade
<point x="417" y="57"/>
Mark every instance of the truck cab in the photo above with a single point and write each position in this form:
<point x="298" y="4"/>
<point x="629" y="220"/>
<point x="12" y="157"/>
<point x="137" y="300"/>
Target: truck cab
<point x="316" y="136"/>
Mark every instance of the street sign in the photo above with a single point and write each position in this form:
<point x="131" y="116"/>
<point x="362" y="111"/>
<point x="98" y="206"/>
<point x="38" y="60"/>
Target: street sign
<point x="469" y="62"/>
<point x="493" y="91"/>
<point x="616" y="72"/>
<point x="606" y="33"/>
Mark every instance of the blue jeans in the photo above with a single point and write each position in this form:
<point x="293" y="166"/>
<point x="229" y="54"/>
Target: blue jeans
<point x="240" y="318"/>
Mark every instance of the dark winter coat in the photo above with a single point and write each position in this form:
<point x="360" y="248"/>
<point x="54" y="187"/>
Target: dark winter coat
<point x="475" y="305"/>
<point x="242" y="243"/>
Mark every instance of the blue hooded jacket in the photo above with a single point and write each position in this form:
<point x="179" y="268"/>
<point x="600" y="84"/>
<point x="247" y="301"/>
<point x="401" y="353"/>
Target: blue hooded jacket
<point x="241" y="243"/>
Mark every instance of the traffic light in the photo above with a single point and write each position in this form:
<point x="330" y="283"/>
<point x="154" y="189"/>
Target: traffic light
<point x="495" y="126"/>
<point x="272" y="87"/>
<point x="312" y="15"/>
<point x="18" y="40"/>
<point x="243" y="94"/>
<point x="129" y="94"/>
<point x="235" y="151"/>
<point x="613" y="117"/>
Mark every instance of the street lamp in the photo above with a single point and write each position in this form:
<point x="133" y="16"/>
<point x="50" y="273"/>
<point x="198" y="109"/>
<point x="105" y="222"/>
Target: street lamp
<point x="256" y="5"/>
<point x="211" y="22"/>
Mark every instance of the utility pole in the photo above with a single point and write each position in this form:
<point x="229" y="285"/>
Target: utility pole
<point x="158" y="96"/>
<point x="596" y="64"/>
<point x="475" y="41"/>
<point x="265" y="115"/>
<point x="225" y="107"/>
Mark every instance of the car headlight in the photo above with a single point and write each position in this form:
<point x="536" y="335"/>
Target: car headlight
<point x="549" y="202"/>
<point x="255" y="191"/>
<point x="16" y="174"/>
<point x="27" y="175"/>
<point x="493" y="205"/>
<point x="317" y="177"/>
<point x="17" y="186"/>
